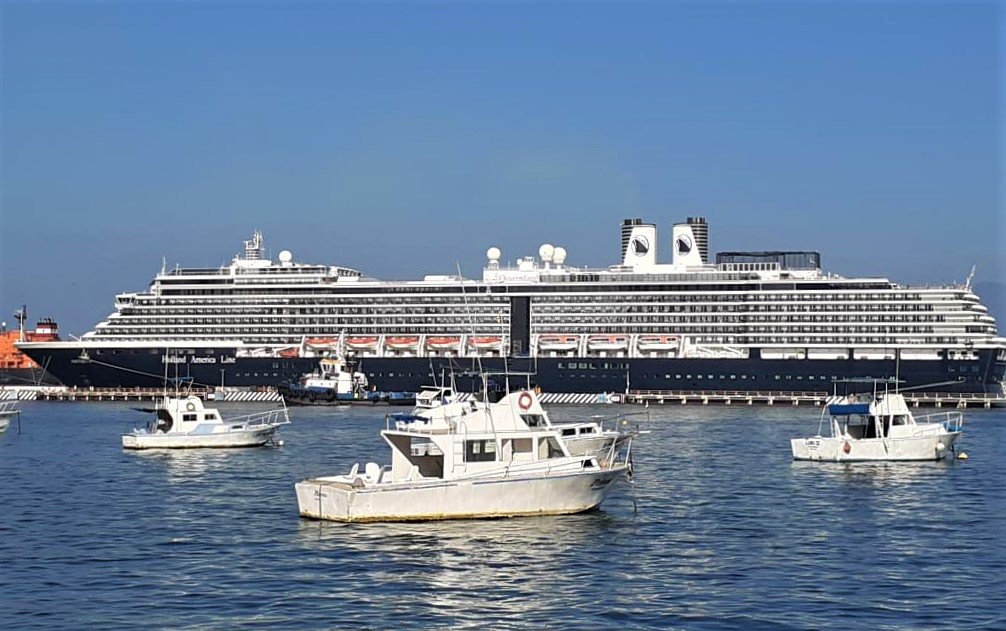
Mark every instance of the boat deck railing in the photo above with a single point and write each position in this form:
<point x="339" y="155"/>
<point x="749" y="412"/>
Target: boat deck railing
<point x="279" y="416"/>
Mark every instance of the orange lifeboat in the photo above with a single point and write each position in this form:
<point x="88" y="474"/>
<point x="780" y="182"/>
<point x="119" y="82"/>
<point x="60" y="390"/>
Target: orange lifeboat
<point x="658" y="342"/>
<point x="289" y="352"/>
<point x="402" y="342"/>
<point x="559" y="342"/>
<point x="608" y="342"/>
<point x="491" y="342"/>
<point x="444" y="343"/>
<point x="361" y="342"/>
<point x="322" y="342"/>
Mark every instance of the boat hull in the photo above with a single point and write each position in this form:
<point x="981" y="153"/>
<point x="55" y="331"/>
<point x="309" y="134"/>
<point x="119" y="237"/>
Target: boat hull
<point x="471" y="498"/>
<point x="250" y="438"/>
<point x="144" y="367"/>
<point x="827" y="449"/>
<point x="4" y="423"/>
<point x="298" y="396"/>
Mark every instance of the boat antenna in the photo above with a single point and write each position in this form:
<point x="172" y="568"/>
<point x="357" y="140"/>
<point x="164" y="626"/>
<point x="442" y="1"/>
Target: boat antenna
<point x="971" y="275"/>
<point x="471" y="322"/>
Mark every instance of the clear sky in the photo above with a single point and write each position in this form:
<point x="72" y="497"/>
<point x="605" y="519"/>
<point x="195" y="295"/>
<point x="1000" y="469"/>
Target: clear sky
<point x="404" y="139"/>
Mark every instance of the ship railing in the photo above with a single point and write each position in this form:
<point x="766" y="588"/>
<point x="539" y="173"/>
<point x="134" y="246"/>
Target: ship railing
<point x="806" y="394"/>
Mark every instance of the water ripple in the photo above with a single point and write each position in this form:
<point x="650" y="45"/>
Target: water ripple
<point x="719" y="530"/>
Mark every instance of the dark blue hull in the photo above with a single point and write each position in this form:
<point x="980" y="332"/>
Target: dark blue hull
<point x="129" y="368"/>
<point x="295" y="394"/>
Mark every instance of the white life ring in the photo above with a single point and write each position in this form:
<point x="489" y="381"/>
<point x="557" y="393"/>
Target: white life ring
<point x="191" y="407"/>
<point x="524" y="400"/>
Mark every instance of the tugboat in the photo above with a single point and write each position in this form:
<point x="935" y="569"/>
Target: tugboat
<point x="335" y="382"/>
<point x="879" y="427"/>
<point x="469" y="459"/>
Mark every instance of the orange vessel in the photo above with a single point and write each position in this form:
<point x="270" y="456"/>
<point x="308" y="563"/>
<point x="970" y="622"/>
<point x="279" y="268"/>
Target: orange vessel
<point x="16" y="368"/>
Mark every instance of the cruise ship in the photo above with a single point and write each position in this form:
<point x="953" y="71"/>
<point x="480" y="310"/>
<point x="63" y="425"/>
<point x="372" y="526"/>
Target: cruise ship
<point x="747" y="321"/>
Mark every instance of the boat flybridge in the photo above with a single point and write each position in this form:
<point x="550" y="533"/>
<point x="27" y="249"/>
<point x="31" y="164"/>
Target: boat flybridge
<point x="460" y="459"/>
<point x="183" y="422"/>
<point x="878" y="426"/>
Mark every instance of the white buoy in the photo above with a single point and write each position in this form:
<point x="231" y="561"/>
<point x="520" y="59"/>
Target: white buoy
<point x="962" y="456"/>
<point x="279" y="443"/>
<point x="940" y="447"/>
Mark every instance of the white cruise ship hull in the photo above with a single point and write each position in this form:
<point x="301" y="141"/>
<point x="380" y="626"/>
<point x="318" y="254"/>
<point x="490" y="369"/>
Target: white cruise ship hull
<point x="827" y="449"/>
<point x="470" y="498"/>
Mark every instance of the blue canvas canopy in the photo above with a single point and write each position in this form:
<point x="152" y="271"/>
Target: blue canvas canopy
<point x="844" y="409"/>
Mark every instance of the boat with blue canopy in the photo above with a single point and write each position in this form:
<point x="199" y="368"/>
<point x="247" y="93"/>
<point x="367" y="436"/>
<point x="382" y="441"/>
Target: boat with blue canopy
<point x="877" y="426"/>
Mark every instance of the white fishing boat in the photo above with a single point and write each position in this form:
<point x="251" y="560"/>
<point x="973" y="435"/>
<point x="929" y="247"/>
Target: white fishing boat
<point x="183" y="422"/>
<point x="580" y="437"/>
<point x="879" y="427"/>
<point x="469" y="459"/>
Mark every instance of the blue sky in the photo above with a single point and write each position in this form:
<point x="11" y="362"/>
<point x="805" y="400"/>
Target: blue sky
<point x="405" y="138"/>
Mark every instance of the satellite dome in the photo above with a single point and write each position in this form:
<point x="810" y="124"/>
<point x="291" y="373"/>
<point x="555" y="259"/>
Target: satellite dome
<point x="493" y="254"/>
<point x="285" y="256"/>
<point x="559" y="256"/>
<point x="546" y="251"/>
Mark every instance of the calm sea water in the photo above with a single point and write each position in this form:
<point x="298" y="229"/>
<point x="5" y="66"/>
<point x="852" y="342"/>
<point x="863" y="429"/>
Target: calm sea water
<point x="721" y="530"/>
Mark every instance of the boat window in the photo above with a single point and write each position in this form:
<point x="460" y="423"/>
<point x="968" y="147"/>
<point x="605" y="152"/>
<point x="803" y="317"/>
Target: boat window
<point x="210" y="416"/>
<point x="549" y="448"/>
<point x="522" y="445"/>
<point x="189" y="417"/>
<point x="533" y="420"/>
<point x="900" y="419"/>
<point x="480" y="450"/>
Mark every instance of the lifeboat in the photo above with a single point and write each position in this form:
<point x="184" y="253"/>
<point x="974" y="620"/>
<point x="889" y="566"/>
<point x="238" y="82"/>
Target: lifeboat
<point x="361" y="342"/>
<point x="561" y="343"/>
<point x="293" y="351"/>
<point x="485" y="343"/>
<point x="408" y="342"/>
<point x="658" y="343"/>
<point x="322" y="342"/>
<point x="443" y="343"/>
<point x="608" y="342"/>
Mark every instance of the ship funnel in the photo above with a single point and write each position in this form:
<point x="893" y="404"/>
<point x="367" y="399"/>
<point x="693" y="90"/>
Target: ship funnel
<point x="700" y="230"/>
<point x="685" y="246"/>
<point x="641" y="247"/>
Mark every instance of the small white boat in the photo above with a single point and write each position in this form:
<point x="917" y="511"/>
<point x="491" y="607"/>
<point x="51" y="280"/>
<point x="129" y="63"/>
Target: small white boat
<point x="8" y="410"/>
<point x="184" y="423"/>
<point x="469" y="459"/>
<point x="879" y="428"/>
